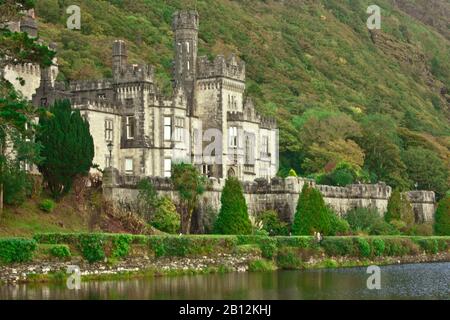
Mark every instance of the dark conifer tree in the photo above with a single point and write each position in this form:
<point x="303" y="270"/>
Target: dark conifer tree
<point x="233" y="216"/>
<point x="312" y="215"/>
<point x="67" y="147"/>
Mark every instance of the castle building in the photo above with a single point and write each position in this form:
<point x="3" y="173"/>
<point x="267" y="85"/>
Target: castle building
<point x="208" y="122"/>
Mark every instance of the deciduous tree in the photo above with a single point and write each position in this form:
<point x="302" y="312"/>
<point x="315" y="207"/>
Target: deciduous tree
<point x="190" y="185"/>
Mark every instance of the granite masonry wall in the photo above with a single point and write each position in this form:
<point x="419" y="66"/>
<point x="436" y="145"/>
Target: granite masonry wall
<point x="277" y="194"/>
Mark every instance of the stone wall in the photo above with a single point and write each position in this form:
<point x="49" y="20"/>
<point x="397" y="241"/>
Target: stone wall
<point x="279" y="194"/>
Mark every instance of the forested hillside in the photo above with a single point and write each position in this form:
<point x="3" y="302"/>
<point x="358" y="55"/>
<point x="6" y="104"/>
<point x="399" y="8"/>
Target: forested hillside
<point x="351" y="105"/>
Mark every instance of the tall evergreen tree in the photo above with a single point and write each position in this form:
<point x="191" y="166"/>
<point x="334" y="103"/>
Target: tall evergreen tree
<point x="399" y="208"/>
<point x="67" y="147"/>
<point x="233" y="216"/>
<point x="442" y="217"/>
<point x="311" y="215"/>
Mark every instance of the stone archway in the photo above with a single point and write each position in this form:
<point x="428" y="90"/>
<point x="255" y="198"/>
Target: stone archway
<point x="231" y="173"/>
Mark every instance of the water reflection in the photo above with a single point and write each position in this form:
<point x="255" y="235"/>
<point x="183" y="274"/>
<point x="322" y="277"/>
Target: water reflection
<point x="422" y="281"/>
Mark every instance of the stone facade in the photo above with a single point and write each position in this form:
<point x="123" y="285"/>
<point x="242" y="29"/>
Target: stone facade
<point x="277" y="194"/>
<point x="149" y="132"/>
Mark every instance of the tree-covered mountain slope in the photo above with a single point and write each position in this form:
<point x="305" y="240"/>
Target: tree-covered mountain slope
<point x="366" y="102"/>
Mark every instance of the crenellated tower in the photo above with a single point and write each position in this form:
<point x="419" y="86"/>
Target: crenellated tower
<point x="185" y="27"/>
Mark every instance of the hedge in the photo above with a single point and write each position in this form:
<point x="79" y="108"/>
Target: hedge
<point x="98" y="246"/>
<point x="16" y="250"/>
<point x="60" y="251"/>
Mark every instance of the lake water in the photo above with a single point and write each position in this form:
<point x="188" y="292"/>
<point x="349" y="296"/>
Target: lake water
<point x="415" y="281"/>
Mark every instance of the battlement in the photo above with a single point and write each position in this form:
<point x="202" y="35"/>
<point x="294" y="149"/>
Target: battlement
<point x="90" y="85"/>
<point x="185" y="20"/>
<point x="25" y="69"/>
<point x="231" y="67"/>
<point x="265" y="122"/>
<point x="136" y="72"/>
<point x="357" y="191"/>
<point x="95" y="105"/>
<point x="421" y="196"/>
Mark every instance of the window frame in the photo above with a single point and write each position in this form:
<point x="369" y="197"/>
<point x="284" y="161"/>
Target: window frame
<point x="109" y="130"/>
<point x="167" y="128"/>
<point x="233" y="137"/>
<point x="130" y="127"/>
<point x="129" y="160"/>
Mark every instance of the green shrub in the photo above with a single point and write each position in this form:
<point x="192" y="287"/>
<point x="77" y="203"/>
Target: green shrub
<point x="400" y="209"/>
<point x="311" y="215"/>
<point x="56" y="238"/>
<point x="261" y="265"/>
<point x="399" y="225"/>
<point x="378" y="247"/>
<point x="442" y="217"/>
<point x="166" y="217"/>
<point x="298" y="242"/>
<point x="47" y="205"/>
<point x="382" y="228"/>
<point x="330" y="263"/>
<point x="268" y="247"/>
<point x="60" y="251"/>
<point x="288" y="258"/>
<point x="338" y="226"/>
<point x="16" y="250"/>
<point x="339" y="246"/>
<point x="190" y="246"/>
<point x="364" y="247"/>
<point x="272" y="224"/>
<point x="428" y="245"/>
<point x="423" y="229"/>
<point x="233" y="215"/>
<point x="362" y="219"/>
<point x="400" y="247"/>
<point x="121" y="245"/>
<point x="91" y="246"/>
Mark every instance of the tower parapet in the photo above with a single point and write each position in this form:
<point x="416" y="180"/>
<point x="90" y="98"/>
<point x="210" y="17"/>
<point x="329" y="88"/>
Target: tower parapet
<point x="231" y="67"/>
<point x="185" y="20"/>
<point x="29" y="25"/>
<point x="124" y="72"/>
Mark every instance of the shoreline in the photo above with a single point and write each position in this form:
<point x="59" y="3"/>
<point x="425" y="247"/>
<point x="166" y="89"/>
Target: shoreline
<point x="138" y="268"/>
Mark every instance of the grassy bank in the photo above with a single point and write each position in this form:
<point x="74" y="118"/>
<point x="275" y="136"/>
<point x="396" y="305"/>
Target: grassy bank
<point x="122" y="256"/>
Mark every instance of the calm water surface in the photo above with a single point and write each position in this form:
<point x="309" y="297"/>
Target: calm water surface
<point x="418" y="281"/>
